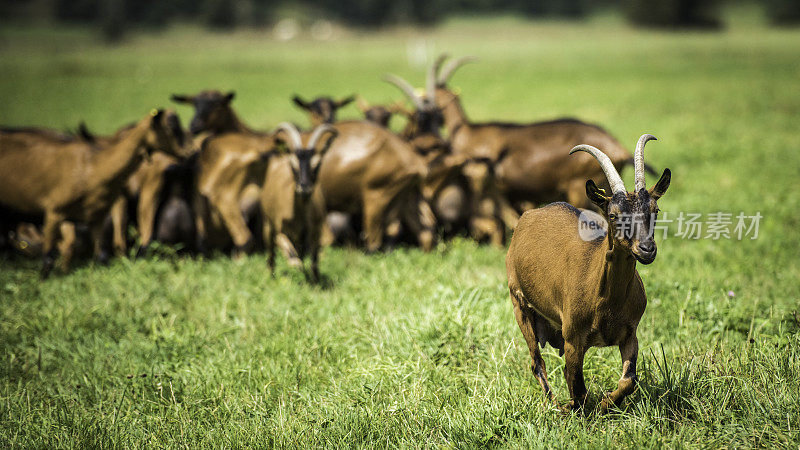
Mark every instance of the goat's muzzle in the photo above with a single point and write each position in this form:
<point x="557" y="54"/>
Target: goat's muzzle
<point x="645" y="252"/>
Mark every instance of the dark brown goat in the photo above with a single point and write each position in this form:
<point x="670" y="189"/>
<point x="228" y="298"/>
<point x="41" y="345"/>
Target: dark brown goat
<point x="322" y="109"/>
<point x="72" y="179"/>
<point x="535" y="169"/>
<point x="576" y="289"/>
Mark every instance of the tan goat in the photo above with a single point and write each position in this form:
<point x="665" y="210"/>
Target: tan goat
<point x="145" y="186"/>
<point x="535" y="170"/>
<point x="576" y="291"/>
<point x="292" y="200"/>
<point x="72" y="179"/>
<point x="229" y="173"/>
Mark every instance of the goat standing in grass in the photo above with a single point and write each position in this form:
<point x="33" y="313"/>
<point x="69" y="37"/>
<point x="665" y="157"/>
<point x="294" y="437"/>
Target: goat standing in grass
<point x="575" y="293"/>
<point x="292" y="200"/>
<point x="229" y="172"/>
<point x="73" y="180"/>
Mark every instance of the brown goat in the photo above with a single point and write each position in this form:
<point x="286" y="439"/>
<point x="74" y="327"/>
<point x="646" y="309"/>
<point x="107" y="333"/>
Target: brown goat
<point x="146" y="185"/>
<point x="292" y="200"/>
<point x="465" y="194"/>
<point x="372" y="172"/>
<point x="381" y="114"/>
<point x="72" y="179"/>
<point x="322" y="109"/>
<point x="535" y="170"/>
<point x="575" y="289"/>
<point x="229" y="173"/>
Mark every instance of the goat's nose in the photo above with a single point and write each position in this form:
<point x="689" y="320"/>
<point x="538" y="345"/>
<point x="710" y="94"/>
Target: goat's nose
<point x="647" y="247"/>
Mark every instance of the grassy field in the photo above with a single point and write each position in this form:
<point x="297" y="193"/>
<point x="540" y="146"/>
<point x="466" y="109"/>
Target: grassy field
<point x="413" y="349"/>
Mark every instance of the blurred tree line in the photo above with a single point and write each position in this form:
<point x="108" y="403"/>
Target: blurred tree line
<point x="114" y="16"/>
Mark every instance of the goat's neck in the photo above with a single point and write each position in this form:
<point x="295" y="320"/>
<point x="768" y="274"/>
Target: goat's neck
<point x="119" y="159"/>
<point x="233" y="123"/>
<point x="619" y="267"/>
<point x="454" y="116"/>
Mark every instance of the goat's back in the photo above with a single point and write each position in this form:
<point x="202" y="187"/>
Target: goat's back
<point x="365" y="156"/>
<point x="37" y="169"/>
<point x="549" y="263"/>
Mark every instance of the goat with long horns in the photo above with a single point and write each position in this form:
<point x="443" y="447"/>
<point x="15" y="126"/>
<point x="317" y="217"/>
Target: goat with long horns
<point x="576" y="290"/>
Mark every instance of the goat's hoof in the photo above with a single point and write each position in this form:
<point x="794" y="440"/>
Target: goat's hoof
<point x="103" y="259"/>
<point x="45" y="272"/>
<point x="607" y="403"/>
<point x="143" y="251"/>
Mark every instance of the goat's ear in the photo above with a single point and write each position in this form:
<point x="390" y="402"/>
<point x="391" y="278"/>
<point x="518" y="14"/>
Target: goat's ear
<point x="84" y="133"/>
<point x="345" y="101"/>
<point x="181" y="98"/>
<point x="229" y="96"/>
<point x="661" y="186"/>
<point x="300" y="102"/>
<point x="596" y="195"/>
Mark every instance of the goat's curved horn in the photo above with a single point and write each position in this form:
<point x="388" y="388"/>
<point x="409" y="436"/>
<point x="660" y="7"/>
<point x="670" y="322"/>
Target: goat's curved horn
<point x="407" y="89"/>
<point x="638" y="162"/>
<point x="433" y="79"/>
<point x="614" y="180"/>
<point x="451" y="67"/>
<point x="294" y="136"/>
<point x="318" y="132"/>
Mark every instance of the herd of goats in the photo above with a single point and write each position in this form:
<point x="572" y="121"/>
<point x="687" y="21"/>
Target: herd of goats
<point x="223" y="186"/>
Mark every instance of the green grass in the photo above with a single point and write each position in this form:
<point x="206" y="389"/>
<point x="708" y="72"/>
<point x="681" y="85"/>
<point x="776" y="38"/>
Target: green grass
<point x="413" y="349"/>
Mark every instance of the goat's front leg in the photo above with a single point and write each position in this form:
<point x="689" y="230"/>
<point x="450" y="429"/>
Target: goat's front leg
<point x="146" y="209"/>
<point x="50" y="231"/>
<point x="100" y="253"/>
<point x="314" y="274"/>
<point x="119" y="221"/>
<point x="67" y="245"/>
<point x="573" y="356"/>
<point x="629" y="351"/>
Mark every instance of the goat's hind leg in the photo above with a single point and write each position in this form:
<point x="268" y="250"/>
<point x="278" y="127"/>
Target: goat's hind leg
<point x="525" y="320"/>
<point x="629" y="350"/>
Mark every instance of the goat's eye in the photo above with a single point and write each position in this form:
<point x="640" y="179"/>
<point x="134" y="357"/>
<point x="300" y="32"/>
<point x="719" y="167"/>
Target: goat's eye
<point x="612" y="216"/>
